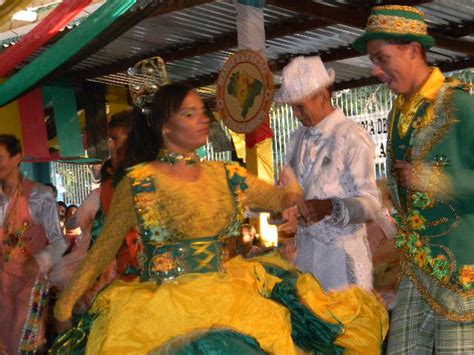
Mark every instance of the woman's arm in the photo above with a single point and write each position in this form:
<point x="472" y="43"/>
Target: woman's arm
<point x="121" y="218"/>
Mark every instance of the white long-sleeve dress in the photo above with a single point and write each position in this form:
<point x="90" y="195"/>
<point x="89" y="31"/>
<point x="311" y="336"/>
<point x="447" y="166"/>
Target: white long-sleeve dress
<point x="335" y="160"/>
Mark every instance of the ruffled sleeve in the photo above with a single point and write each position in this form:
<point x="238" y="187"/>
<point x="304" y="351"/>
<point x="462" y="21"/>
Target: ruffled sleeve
<point x="257" y="193"/>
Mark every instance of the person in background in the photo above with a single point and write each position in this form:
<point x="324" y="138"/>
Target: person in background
<point x="333" y="159"/>
<point x="381" y="232"/>
<point x="70" y="211"/>
<point x="430" y="169"/>
<point x="54" y="190"/>
<point x="31" y="243"/>
<point x="90" y="217"/>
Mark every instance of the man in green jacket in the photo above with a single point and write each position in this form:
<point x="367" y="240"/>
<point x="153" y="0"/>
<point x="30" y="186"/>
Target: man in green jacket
<point x="431" y="178"/>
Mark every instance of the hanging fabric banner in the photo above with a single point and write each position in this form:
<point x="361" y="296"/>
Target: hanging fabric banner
<point x="61" y="96"/>
<point x="251" y="35"/>
<point x="33" y="127"/>
<point x="41" y="34"/>
<point x="250" y="25"/>
<point x="64" y="49"/>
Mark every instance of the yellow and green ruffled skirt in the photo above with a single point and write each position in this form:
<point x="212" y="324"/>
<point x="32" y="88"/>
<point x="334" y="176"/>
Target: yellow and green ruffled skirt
<point x="263" y="304"/>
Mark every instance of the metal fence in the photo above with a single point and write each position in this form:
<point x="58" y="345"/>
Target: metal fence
<point x="368" y="106"/>
<point x="73" y="181"/>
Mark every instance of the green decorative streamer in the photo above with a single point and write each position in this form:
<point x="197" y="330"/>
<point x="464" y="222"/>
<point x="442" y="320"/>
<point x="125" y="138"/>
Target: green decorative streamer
<point x="62" y="96"/>
<point x="64" y="49"/>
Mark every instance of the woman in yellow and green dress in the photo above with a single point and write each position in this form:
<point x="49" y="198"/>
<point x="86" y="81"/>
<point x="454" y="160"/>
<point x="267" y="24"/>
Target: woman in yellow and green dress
<point x="182" y="292"/>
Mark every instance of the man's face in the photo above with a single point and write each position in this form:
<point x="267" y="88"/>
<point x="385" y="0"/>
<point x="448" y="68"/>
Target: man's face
<point x="62" y="212"/>
<point x="309" y="111"/>
<point x="393" y="64"/>
<point x="118" y="145"/>
<point x="8" y="164"/>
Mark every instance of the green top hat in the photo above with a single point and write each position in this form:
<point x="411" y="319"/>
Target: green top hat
<point x="395" y="22"/>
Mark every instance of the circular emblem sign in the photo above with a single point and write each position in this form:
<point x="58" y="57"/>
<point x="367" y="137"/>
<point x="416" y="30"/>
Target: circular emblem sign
<point x="244" y="91"/>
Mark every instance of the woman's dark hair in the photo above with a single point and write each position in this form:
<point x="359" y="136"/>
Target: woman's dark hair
<point x="106" y="170"/>
<point x="123" y="119"/>
<point x="146" y="138"/>
<point x="11" y="144"/>
<point x="71" y="206"/>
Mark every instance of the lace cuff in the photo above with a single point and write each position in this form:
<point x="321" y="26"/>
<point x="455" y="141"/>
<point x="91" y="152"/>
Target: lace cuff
<point x="340" y="215"/>
<point x="44" y="261"/>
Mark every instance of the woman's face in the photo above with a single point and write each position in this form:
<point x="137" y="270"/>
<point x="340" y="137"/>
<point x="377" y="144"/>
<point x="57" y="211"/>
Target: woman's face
<point x="188" y="128"/>
<point x="117" y="145"/>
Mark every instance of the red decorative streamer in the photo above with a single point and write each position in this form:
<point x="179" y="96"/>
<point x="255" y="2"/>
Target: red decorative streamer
<point x="260" y="134"/>
<point x="41" y="34"/>
<point x="33" y="127"/>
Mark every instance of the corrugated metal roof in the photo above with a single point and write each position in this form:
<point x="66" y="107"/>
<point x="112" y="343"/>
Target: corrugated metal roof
<point x="204" y="23"/>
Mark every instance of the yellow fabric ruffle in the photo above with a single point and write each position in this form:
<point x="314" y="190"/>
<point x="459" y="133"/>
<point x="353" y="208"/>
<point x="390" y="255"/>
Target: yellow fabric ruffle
<point x="364" y="317"/>
<point x="140" y="317"/>
<point x="137" y="318"/>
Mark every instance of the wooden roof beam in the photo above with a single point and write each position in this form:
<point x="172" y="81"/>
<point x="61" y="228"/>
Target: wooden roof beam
<point x="178" y="5"/>
<point x="358" y="18"/>
<point x="445" y="66"/>
<point x="219" y="43"/>
<point x="278" y="64"/>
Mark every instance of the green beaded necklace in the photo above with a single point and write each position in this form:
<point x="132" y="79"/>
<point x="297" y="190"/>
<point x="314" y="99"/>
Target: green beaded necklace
<point x="171" y="158"/>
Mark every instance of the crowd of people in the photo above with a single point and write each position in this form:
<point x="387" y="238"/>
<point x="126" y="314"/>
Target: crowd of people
<point x="161" y="259"/>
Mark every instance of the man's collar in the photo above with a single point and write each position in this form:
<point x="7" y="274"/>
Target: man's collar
<point x="327" y="125"/>
<point x="428" y="90"/>
<point x="432" y="85"/>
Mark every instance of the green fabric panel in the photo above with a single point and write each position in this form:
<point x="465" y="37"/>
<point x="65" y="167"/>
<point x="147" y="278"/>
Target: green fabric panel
<point x="74" y="340"/>
<point x="67" y="121"/>
<point x="97" y="225"/>
<point x="64" y="49"/>
<point x="400" y="150"/>
<point x="398" y="13"/>
<point x="308" y="331"/>
<point x="458" y="147"/>
<point x="217" y="342"/>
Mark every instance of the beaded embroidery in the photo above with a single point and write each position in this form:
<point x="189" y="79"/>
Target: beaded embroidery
<point x="167" y="254"/>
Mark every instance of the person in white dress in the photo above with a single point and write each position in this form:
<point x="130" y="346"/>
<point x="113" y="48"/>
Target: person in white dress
<point x="333" y="159"/>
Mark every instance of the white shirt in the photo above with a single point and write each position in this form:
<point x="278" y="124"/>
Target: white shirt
<point x="43" y="211"/>
<point x="335" y="160"/>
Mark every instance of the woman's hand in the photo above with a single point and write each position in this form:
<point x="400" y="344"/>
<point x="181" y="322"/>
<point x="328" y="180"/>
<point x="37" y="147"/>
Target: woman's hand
<point x="290" y="216"/>
<point x="63" y="308"/>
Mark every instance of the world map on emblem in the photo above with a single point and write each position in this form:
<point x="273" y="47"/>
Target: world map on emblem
<point x="244" y="91"/>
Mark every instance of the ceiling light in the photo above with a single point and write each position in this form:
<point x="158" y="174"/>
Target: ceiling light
<point x="25" y="15"/>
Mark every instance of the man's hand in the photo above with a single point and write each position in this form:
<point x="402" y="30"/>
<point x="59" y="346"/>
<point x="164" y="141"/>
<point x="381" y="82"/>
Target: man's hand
<point x="315" y="210"/>
<point x="30" y="268"/>
<point x="290" y="216"/>
<point x="404" y="171"/>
